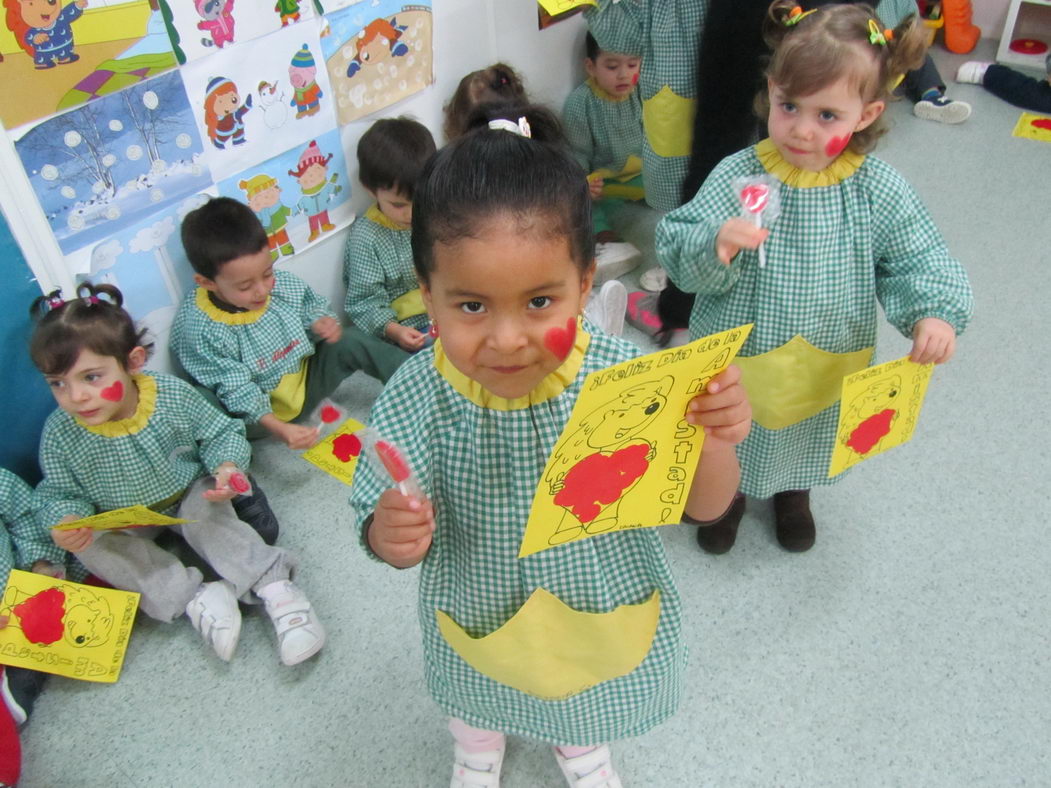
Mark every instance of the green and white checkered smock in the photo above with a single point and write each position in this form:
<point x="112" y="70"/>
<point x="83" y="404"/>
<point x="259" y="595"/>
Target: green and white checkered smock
<point x="834" y="252"/>
<point x="175" y="437"/>
<point x="892" y="12"/>
<point x="666" y="34"/>
<point x="602" y="131"/>
<point x="480" y="466"/>
<point x="242" y="356"/>
<point x="377" y="269"/>
<point x="22" y="541"/>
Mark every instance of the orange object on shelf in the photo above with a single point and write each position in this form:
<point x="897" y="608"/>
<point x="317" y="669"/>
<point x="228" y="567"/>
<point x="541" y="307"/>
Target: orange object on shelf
<point x="960" y="33"/>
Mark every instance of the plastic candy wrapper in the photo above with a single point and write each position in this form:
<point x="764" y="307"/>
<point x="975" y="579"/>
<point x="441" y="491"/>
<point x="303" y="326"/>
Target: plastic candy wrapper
<point x="238" y="482"/>
<point x="327" y="416"/>
<point x="760" y="198"/>
<point x="385" y="457"/>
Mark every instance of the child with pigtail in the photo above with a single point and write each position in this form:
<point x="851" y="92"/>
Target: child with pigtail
<point x="851" y="234"/>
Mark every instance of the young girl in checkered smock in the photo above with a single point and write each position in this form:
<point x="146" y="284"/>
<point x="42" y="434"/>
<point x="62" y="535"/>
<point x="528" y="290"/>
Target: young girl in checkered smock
<point x="851" y="233"/>
<point x="122" y="436"/>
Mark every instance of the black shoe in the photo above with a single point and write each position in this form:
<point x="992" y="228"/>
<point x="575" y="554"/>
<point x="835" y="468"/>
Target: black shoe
<point x="795" y="523"/>
<point x="718" y="537"/>
<point x="19" y="689"/>
<point x="255" y="510"/>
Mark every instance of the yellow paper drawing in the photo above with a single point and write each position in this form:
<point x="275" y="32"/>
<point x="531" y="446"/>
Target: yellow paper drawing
<point x="338" y="454"/>
<point x="66" y="628"/>
<point x="556" y="7"/>
<point x="1033" y="127"/>
<point x="878" y="411"/>
<point x="552" y="651"/>
<point x="122" y="518"/>
<point x="627" y="455"/>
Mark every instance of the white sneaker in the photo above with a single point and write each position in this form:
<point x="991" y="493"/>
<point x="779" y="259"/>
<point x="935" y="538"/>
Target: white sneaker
<point x="591" y="770"/>
<point x="973" y="72"/>
<point x="654" y="280"/>
<point x="476" y="769"/>
<point x="613" y="296"/>
<point x="615" y="259"/>
<point x="299" y="633"/>
<point x="214" y="613"/>
<point x="942" y="110"/>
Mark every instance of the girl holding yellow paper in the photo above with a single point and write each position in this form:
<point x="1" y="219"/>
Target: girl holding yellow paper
<point x="579" y="644"/>
<point x="851" y="234"/>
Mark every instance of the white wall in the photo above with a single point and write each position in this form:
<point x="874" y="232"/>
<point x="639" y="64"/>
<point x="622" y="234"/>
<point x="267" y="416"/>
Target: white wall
<point x="990" y="16"/>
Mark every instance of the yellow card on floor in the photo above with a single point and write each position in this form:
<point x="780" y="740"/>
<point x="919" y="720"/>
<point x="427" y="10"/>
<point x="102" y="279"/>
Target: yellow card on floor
<point x="1033" y="127"/>
<point x="878" y="411"/>
<point x="627" y="455"/>
<point x="338" y="453"/>
<point x="556" y="7"/>
<point x="122" y="518"/>
<point x="66" y="628"/>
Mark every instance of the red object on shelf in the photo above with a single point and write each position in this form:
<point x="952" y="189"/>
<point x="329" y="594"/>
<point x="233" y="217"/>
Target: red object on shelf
<point x="1028" y="46"/>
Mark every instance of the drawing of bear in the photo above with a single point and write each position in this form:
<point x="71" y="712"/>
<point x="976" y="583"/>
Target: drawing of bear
<point x="871" y="417"/>
<point x="63" y="612"/>
<point x="596" y="466"/>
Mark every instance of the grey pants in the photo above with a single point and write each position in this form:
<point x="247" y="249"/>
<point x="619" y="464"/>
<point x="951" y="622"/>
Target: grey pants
<point x="129" y="559"/>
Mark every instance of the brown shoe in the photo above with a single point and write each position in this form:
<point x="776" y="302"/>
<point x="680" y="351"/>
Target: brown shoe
<point x="719" y="536"/>
<point x="795" y="523"/>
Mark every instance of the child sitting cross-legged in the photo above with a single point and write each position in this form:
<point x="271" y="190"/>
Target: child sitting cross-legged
<point x="122" y="437"/>
<point x="383" y="298"/>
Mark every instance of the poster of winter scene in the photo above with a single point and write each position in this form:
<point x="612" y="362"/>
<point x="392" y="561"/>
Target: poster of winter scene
<point x="59" y="54"/>
<point x="261" y="98"/>
<point x="299" y="196"/>
<point x="377" y="53"/>
<point x="114" y="161"/>
<point x="198" y="28"/>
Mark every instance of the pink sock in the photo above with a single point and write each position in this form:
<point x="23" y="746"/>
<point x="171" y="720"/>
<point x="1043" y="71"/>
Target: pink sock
<point x="474" y="740"/>
<point x="573" y="752"/>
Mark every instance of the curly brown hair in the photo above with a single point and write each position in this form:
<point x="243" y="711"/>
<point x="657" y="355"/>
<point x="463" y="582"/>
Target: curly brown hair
<point x="497" y="84"/>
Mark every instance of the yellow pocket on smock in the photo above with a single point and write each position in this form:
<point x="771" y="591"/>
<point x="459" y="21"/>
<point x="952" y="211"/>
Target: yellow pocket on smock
<point x="667" y="119"/>
<point x="287" y="398"/>
<point x="408" y="305"/>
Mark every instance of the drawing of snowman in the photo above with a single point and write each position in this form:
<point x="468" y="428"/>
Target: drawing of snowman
<point x="275" y="112"/>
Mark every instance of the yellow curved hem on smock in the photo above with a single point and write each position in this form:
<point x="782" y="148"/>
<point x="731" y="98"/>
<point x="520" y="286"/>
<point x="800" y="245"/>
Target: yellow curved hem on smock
<point x="204" y="303"/>
<point x="147" y="387"/>
<point x="795" y="381"/>
<point x="551" y="651"/>
<point x="845" y="165"/>
<point x="374" y="214"/>
<point x="549" y="388"/>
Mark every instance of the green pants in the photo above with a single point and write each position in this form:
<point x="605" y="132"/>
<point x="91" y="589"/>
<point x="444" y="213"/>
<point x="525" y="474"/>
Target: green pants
<point x="614" y="194"/>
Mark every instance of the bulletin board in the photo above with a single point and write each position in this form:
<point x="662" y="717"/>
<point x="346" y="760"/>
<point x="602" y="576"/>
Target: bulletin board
<point x="121" y="116"/>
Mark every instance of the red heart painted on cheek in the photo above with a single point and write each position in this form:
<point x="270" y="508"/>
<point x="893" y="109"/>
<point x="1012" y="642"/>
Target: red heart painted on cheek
<point x="837" y="145"/>
<point x="1042" y="123"/>
<point x="560" y="340"/>
<point x="634" y="79"/>
<point x="113" y="393"/>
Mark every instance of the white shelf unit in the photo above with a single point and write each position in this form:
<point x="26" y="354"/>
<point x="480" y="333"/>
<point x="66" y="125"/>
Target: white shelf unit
<point x="1026" y="19"/>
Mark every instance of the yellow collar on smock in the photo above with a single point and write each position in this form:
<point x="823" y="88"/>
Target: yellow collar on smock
<point x="845" y="165"/>
<point x="147" y="387"/>
<point x="604" y="94"/>
<point x="374" y="214"/>
<point x="204" y="303"/>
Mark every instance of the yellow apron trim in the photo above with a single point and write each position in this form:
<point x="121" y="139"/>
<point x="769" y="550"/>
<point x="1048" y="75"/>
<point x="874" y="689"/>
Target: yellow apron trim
<point x="286" y="400"/>
<point x="374" y="214"/>
<point x="549" y="388"/>
<point x="408" y="305"/>
<point x="147" y="387"/>
<point x="551" y="651"/>
<point x="667" y="119"/>
<point x="623" y="191"/>
<point x="796" y="381"/>
<point x="844" y="165"/>
<point x="632" y="169"/>
<point x="603" y="94"/>
<point x="204" y="303"/>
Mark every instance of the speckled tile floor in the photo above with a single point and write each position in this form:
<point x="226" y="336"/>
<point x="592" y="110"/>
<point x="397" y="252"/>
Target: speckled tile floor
<point x="910" y="647"/>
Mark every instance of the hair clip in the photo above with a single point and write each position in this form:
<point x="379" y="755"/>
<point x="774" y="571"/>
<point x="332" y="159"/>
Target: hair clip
<point x="796" y="15"/>
<point x="879" y="37"/>
<point x="91" y="299"/>
<point x="55" y="302"/>
<point x="521" y="128"/>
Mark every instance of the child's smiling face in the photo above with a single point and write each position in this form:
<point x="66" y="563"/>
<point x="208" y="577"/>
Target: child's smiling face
<point x="97" y="389"/>
<point x="244" y="282"/>
<point x="502" y="299"/>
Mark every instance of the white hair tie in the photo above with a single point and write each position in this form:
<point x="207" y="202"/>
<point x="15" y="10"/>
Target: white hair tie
<point x="521" y="128"/>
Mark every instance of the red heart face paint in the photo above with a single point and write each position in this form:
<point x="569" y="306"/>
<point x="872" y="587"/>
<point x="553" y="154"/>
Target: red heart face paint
<point x="635" y="79"/>
<point x="837" y="145"/>
<point x="113" y="393"/>
<point x="560" y="340"/>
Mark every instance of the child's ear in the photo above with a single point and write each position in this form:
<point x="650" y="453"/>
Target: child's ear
<point x="869" y="115"/>
<point x="585" y="284"/>
<point x="425" y="292"/>
<point x="136" y="359"/>
<point x="205" y="282"/>
<point x="589" y="67"/>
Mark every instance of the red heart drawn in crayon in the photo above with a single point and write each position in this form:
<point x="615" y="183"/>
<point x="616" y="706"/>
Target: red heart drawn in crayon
<point x="1042" y="123"/>
<point x="329" y="414"/>
<point x="868" y="433"/>
<point x="560" y="340"/>
<point x="41" y="616"/>
<point x="755" y="197"/>
<point x="346" y="446"/>
<point x="837" y="145"/>
<point x="113" y="393"/>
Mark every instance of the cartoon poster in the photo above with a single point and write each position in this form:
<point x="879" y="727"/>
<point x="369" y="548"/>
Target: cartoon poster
<point x="299" y="196"/>
<point x="66" y="628"/>
<point x="115" y="161"/>
<point x="627" y="455"/>
<point x="377" y="53"/>
<point x="878" y="411"/>
<point x="1033" y="127"/>
<point x="128" y="517"/>
<point x="259" y="99"/>
<point x="338" y="453"/>
<point x="58" y="54"/>
<point x="202" y="27"/>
